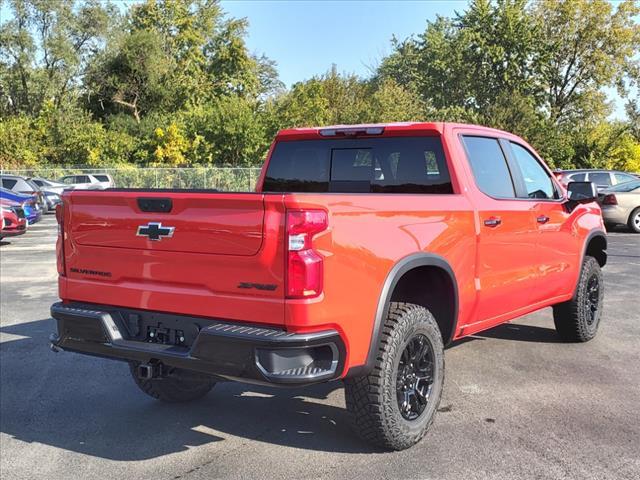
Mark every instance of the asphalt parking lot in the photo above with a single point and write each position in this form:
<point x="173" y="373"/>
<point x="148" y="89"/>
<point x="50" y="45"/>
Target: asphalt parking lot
<point x="517" y="403"/>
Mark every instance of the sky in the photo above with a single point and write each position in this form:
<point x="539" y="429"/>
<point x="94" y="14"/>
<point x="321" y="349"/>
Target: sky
<point x="306" y="37"/>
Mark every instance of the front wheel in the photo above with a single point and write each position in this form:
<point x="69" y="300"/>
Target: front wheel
<point x="394" y="405"/>
<point x="578" y="319"/>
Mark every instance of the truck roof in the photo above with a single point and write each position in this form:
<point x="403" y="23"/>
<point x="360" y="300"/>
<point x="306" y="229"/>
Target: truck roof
<point x="408" y="128"/>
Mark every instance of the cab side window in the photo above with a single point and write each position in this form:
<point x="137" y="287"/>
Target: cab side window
<point x="537" y="181"/>
<point x="489" y="166"/>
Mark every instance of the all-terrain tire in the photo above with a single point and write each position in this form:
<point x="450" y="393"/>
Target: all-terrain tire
<point x="372" y="400"/>
<point x="177" y="386"/>
<point x="578" y="319"/>
<point x="634" y="221"/>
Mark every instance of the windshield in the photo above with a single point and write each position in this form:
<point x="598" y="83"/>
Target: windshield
<point x="33" y="185"/>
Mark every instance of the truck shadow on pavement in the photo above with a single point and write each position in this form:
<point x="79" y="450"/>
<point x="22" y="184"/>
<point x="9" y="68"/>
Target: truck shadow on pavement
<point x="91" y="406"/>
<point x="521" y="333"/>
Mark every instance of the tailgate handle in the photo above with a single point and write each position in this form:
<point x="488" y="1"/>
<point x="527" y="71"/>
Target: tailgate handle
<point x="163" y="205"/>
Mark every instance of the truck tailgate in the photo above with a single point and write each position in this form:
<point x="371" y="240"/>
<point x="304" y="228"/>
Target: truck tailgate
<point x="218" y="255"/>
<point x="202" y="223"/>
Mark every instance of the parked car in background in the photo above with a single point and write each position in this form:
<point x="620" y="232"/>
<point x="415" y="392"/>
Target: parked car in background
<point x="50" y="186"/>
<point x="82" y="181"/>
<point x="105" y="180"/>
<point x="13" y="221"/>
<point x="621" y="205"/>
<point x="19" y="184"/>
<point x="52" y="199"/>
<point x="602" y="178"/>
<point x="29" y="204"/>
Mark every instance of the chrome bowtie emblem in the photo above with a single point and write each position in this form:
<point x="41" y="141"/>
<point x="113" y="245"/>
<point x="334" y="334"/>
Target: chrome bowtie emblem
<point x="155" y="231"/>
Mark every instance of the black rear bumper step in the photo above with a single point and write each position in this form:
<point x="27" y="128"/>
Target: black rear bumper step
<point x="229" y="350"/>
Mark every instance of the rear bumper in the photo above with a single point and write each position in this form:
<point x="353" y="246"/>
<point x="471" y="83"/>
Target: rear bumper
<point x="13" y="232"/>
<point x="615" y="214"/>
<point x="233" y="351"/>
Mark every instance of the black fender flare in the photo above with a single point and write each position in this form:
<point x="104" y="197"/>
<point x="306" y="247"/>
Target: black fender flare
<point x="395" y="274"/>
<point x="596" y="232"/>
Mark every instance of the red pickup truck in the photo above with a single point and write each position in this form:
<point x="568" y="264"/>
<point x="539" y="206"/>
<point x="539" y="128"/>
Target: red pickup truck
<point x="363" y="252"/>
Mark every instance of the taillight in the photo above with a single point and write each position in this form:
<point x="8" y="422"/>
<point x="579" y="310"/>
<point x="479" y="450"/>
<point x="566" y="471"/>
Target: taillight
<point x="304" y="264"/>
<point x="60" y="241"/>
<point x="610" y="199"/>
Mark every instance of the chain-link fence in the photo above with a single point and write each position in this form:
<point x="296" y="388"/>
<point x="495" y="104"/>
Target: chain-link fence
<point x="224" y="179"/>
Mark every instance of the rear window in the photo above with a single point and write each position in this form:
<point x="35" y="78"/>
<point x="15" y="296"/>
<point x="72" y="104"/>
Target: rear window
<point x="577" y="177"/>
<point x="625" y="187"/>
<point x="101" y="178"/>
<point x="367" y="165"/>
<point x="623" y="178"/>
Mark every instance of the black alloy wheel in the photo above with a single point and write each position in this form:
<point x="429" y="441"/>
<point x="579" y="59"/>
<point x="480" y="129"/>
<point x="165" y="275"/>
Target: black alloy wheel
<point x="592" y="298"/>
<point x="415" y="377"/>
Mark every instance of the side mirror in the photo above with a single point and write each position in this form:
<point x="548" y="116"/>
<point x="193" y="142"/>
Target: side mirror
<point x="582" y="192"/>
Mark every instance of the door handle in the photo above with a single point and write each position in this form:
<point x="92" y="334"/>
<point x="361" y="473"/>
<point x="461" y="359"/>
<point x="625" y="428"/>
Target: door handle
<point x="542" y="219"/>
<point x="492" y="222"/>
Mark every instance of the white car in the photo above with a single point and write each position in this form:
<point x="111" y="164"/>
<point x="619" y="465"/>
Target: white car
<point x="105" y="180"/>
<point x="83" y="181"/>
<point x="49" y="185"/>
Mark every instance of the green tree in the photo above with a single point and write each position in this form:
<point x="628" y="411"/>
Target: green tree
<point x="587" y="45"/>
<point x="45" y="48"/>
<point x="208" y="55"/>
<point x="230" y="132"/>
<point x="387" y="101"/>
<point x="331" y="98"/>
<point x="20" y="142"/>
<point x="171" y="82"/>
<point x="133" y="76"/>
<point x="536" y="68"/>
<point x="468" y="61"/>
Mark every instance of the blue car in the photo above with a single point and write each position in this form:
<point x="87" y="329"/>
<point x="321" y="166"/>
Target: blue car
<point x="32" y="210"/>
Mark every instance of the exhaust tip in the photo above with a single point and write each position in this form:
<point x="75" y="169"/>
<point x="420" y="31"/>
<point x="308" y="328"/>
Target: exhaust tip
<point x="53" y="340"/>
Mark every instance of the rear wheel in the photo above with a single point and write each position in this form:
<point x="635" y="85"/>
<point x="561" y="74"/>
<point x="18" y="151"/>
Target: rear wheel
<point x="634" y="221"/>
<point x="578" y="319"/>
<point x="176" y="386"/>
<point x="394" y="405"/>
